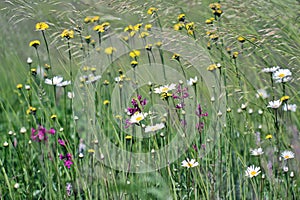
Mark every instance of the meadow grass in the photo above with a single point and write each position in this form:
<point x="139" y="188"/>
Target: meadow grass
<point x="149" y="100"/>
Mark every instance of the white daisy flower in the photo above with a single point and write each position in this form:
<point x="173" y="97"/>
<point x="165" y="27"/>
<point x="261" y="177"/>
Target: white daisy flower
<point x="92" y="79"/>
<point x="282" y="75"/>
<point x="137" y="117"/>
<point x="64" y="83"/>
<point x="192" y="81"/>
<point x="287" y="155"/>
<point x="189" y="163"/>
<point x="271" y="69"/>
<point x="289" y="107"/>
<point x="54" y="81"/>
<point x="165" y="88"/>
<point x="252" y="171"/>
<point x="274" y="104"/>
<point x="262" y="93"/>
<point x="256" y="152"/>
<point x="154" y="128"/>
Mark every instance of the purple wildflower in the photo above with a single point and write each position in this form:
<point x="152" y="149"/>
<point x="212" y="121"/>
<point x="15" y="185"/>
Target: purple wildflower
<point x="69" y="189"/>
<point x="61" y="142"/>
<point x="137" y="105"/>
<point x="40" y="133"/>
<point x="199" y="112"/>
<point x="67" y="159"/>
<point x="51" y="131"/>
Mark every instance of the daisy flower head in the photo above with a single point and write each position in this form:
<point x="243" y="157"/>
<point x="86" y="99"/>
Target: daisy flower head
<point x="64" y="83"/>
<point x="155" y="127"/>
<point x="256" y="152"/>
<point x="252" y="171"/>
<point x="189" y="163"/>
<point x="54" y="81"/>
<point x="274" y="104"/>
<point x="262" y="93"/>
<point x="287" y="155"/>
<point x="165" y="88"/>
<point x="92" y="78"/>
<point x="192" y="81"/>
<point x="282" y="75"/>
<point x="290" y="107"/>
<point x="137" y="117"/>
<point x="271" y="69"/>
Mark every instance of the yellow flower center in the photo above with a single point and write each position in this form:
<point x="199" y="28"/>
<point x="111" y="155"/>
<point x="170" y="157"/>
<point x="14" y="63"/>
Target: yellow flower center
<point x="165" y="89"/>
<point x="139" y="118"/>
<point x="190" y="164"/>
<point x="286" y="156"/>
<point x="281" y="75"/>
<point x="253" y="173"/>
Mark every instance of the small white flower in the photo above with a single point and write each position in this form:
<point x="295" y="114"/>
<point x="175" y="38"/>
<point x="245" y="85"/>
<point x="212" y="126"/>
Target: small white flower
<point x="244" y="106"/>
<point x="71" y="95"/>
<point x="16" y="185"/>
<point x="262" y="93"/>
<point x="165" y="88"/>
<point x="260" y="111"/>
<point x="282" y="75"/>
<point x="189" y="163"/>
<point x="192" y="81"/>
<point x="290" y="107"/>
<point x="27" y="87"/>
<point x="23" y="130"/>
<point x="292" y="174"/>
<point x="274" y="104"/>
<point x="212" y="99"/>
<point x="260" y="126"/>
<point x="250" y="111"/>
<point x="5" y="144"/>
<point x="137" y="117"/>
<point x="29" y="60"/>
<point x="219" y="114"/>
<point x="239" y="110"/>
<point x="285" y="169"/>
<point x="154" y="128"/>
<point x="256" y="152"/>
<point x="252" y="171"/>
<point x="80" y="155"/>
<point x="287" y="155"/>
<point x="271" y="69"/>
<point x="54" y="81"/>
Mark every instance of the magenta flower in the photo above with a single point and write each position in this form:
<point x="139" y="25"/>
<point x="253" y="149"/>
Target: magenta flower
<point x="61" y="142"/>
<point x="51" y="131"/>
<point x="67" y="159"/>
<point x="40" y="133"/>
<point x="199" y="112"/>
<point x="138" y="105"/>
